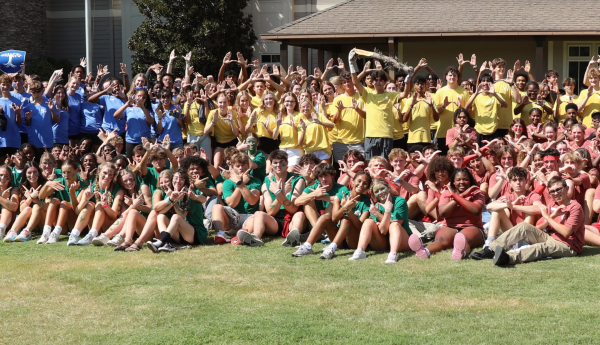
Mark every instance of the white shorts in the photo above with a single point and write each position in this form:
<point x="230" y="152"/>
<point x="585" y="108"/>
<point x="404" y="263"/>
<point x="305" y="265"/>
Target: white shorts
<point x="322" y="155"/>
<point x="293" y="156"/>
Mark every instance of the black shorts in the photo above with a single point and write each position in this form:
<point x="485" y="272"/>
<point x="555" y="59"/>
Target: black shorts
<point x="226" y="145"/>
<point x="268" y="145"/>
<point x="280" y="225"/>
<point x="401" y="143"/>
<point x="378" y="147"/>
<point x="93" y="137"/>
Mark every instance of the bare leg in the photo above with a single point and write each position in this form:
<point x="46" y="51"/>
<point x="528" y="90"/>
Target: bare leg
<point x="21" y="219"/>
<point x="262" y="224"/>
<point x="219" y="151"/>
<point x="498" y="221"/>
<point x="444" y="239"/>
<point x="220" y="218"/>
<point x="413" y="206"/>
<point x="84" y="217"/>
<point x="587" y="205"/>
<point x="474" y="239"/>
<point x="52" y="212"/>
<point x="179" y="228"/>
<point x="347" y="232"/>
<point x="370" y="235"/>
<point x="298" y="221"/>
<point x="324" y="223"/>
<point x="99" y="216"/>
<point x="592" y="236"/>
<point x="398" y="238"/>
<point x="37" y="214"/>
<point x="6" y="217"/>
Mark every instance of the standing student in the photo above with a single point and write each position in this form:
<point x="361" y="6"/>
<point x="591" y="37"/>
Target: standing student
<point x="533" y="99"/>
<point x="349" y="120"/>
<point x="40" y="115"/>
<point x="168" y="120"/>
<point x="262" y="122"/>
<point x="418" y="112"/>
<point x="560" y="111"/>
<point x="75" y="99"/>
<point x="447" y="100"/>
<point x="486" y="105"/>
<point x="10" y="139"/>
<point x="315" y="128"/>
<point x="288" y="130"/>
<point x="136" y="112"/>
<point x="589" y="99"/>
<point x="60" y="129"/>
<point x="507" y="90"/>
<point x="222" y="124"/>
<point x="112" y="97"/>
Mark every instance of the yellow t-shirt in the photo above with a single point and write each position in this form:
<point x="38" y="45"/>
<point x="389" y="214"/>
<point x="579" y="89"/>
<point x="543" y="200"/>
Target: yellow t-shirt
<point x="289" y="131"/>
<point x="351" y="126"/>
<point x="222" y="130"/>
<point x="562" y="112"/>
<point x="486" y="110"/>
<point x="255" y="101"/>
<point x="380" y="116"/>
<point x="515" y="104"/>
<point x="592" y="105"/>
<point x="263" y="118"/>
<point x="505" y="115"/>
<point x="315" y="137"/>
<point x="398" y="130"/>
<point x="526" y="109"/>
<point x="195" y="127"/>
<point x="419" y="121"/>
<point x="331" y="110"/>
<point x="447" y="115"/>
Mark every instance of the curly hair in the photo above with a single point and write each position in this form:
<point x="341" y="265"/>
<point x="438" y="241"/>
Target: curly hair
<point x="194" y="160"/>
<point x="308" y="157"/>
<point x="439" y="164"/>
<point x="323" y="169"/>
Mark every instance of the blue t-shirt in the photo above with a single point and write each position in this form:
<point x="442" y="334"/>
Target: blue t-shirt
<point x="170" y="126"/>
<point x="111" y="104"/>
<point x="61" y="128"/>
<point x="41" y="121"/>
<point x="81" y="91"/>
<point x="11" y="137"/>
<point x="25" y="99"/>
<point x="74" y="113"/>
<point x="137" y="126"/>
<point x="92" y="117"/>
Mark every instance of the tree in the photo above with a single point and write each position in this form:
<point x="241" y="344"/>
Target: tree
<point x="207" y="28"/>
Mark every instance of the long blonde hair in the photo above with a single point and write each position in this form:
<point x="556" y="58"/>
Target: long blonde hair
<point x="108" y="190"/>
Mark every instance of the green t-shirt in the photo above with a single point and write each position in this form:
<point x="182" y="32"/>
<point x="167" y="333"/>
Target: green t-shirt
<point x="400" y="212"/>
<point x="295" y="179"/>
<point x="195" y="217"/>
<point x="243" y="207"/>
<point x="113" y="191"/>
<point x="63" y="195"/>
<point x="210" y="182"/>
<point x="362" y="205"/>
<point x="151" y="178"/>
<point x="261" y="160"/>
<point x="219" y="179"/>
<point x="16" y="176"/>
<point x="335" y="189"/>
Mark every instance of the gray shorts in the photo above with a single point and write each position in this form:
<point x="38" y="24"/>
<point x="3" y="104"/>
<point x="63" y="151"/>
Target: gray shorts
<point x="378" y="147"/>
<point x="339" y="150"/>
<point x="236" y="220"/>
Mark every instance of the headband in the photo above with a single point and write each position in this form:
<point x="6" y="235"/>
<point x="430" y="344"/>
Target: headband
<point x="550" y="157"/>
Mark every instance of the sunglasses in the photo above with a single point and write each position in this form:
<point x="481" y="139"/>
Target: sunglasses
<point x="555" y="191"/>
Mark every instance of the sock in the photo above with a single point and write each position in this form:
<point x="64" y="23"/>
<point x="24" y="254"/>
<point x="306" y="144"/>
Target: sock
<point x="333" y="246"/>
<point x="428" y="253"/>
<point x="47" y="229"/>
<point x="221" y="232"/>
<point x="307" y="245"/>
<point x="164" y="236"/>
<point x="94" y="232"/>
<point x="2" y="226"/>
<point x="58" y="230"/>
<point x="75" y="232"/>
<point x="489" y="240"/>
<point x="394" y="253"/>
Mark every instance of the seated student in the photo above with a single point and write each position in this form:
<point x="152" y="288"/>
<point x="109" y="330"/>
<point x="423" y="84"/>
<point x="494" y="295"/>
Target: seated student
<point x="517" y="131"/>
<point x="419" y="113"/>
<point x="518" y="206"/>
<point x="571" y="168"/>
<point x="459" y="211"/>
<point x="279" y="194"/>
<point x="563" y="235"/>
<point x="157" y="155"/>
<point x="197" y="169"/>
<point x="579" y="140"/>
<point x="66" y="209"/>
<point x="306" y="167"/>
<point x="407" y="183"/>
<point x="241" y="192"/>
<point x="462" y="134"/>
<point x="352" y="163"/>
<point x="387" y="228"/>
<point x="499" y="186"/>
<point x="486" y="105"/>
<point x="552" y="164"/>
<point x="258" y="160"/>
<point x="185" y="224"/>
<point x="32" y="209"/>
<point x="317" y="204"/>
<point x="220" y="175"/>
<point x="550" y="133"/>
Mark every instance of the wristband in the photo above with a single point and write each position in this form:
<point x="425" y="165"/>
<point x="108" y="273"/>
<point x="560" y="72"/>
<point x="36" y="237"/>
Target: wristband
<point x="104" y="206"/>
<point x="168" y="201"/>
<point x="277" y="192"/>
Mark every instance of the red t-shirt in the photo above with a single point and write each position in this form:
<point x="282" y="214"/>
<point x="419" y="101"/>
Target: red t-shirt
<point x="517" y="217"/>
<point x="573" y="218"/>
<point x="546" y="197"/>
<point x="412" y="179"/>
<point x="533" y="137"/>
<point x="504" y="190"/>
<point x="453" y="132"/>
<point x="579" y="191"/>
<point x="480" y="179"/>
<point x="461" y="217"/>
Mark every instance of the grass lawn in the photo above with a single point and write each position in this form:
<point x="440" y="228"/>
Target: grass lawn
<point x="54" y="294"/>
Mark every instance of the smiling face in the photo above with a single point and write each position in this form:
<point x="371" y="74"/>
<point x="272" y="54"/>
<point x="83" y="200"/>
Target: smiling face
<point x="269" y="102"/>
<point x="259" y="88"/>
<point x="462" y="119"/>
<point x="535" y="117"/>
<point x="521" y="82"/>
<point x="178" y="181"/>
<point x="538" y="162"/>
<point x="290" y="103"/>
<point x="352" y="160"/>
<point x="398" y="163"/>
<point x="47" y="164"/>
<point x="451" y="78"/>
<point x="164" y="183"/>
<point x="551" y="163"/>
<point x="517" y="129"/>
<point x="550" y="133"/>
<point x="457" y="161"/>
<point x="532" y="92"/>
<point x="139" y="82"/>
<point x="5" y="177"/>
<point x="106" y="175"/>
<point x="558" y="193"/>
<point x="279" y="166"/>
<point x="29" y="153"/>
<point x="326" y="180"/>
<point x="461" y="181"/>
<point x="306" y="108"/>
<point x="74" y="85"/>
<point x="361" y="184"/>
<point x="381" y="192"/>
<point x="577" y="134"/>
<point x="195" y="171"/>
<point x="476" y="164"/>
<point x="128" y="181"/>
<point x="89" y="163"/>
<point x="507" y="160"/>
<point x="69" y="172"/>
<point x="32" y="174"/>
<point x="329" y="92"/>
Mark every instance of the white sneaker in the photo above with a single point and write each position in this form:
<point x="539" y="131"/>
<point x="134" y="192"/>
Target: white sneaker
<point x="302" y="251"/>
<point x="392" y="258"/>
<point x="359" y="254"/>
<point x="45" y="237"/>
<point x="292" y="239"/>
<point x="53" y="238"/>
<point x="100" y="240"/>
<point x="116" y="241"/>
<point x="327" y="254"/>
<point x="73" y="239"/>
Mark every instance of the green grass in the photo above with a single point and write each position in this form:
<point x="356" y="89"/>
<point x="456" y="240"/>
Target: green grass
<point x="53" y="294"/>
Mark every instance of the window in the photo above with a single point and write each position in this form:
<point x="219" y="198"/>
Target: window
<point x="270" y="59"/>
<point x="578" y="55"/>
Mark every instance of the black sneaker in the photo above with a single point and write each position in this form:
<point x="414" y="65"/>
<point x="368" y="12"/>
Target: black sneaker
<point x="168" y="247"/>
<point x="154" y="246"/>
<point x="501" y="258"/>
<point x="485" y="253"/>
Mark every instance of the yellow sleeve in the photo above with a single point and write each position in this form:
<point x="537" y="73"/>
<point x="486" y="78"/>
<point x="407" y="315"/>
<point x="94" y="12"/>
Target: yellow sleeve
<point x="209" y="120"/>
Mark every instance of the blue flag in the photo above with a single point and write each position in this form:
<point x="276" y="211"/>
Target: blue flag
<point x="11" y="60"/>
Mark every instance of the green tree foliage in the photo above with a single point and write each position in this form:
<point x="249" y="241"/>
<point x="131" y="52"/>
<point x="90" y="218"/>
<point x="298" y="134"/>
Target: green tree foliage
<point x="207" y="28"/>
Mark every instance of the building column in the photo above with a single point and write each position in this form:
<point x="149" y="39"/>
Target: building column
<point x="539" y="56"/>
<point x="283" y="54"/>
<point x="392" y="52"/>
<point x="304" y="57"/>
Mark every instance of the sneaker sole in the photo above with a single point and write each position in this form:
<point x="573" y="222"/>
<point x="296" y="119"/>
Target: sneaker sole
<point x="246" y="238"/>
<point x="153" y="248"/>
<point x="460" y="242"/>
<point x="292" y="239"/>
<point x="220" y="240"/>
<point x="98" y="243"/>
<point x="322" y="257"/>
<point x="415" y="244"/>
<point x="497" y="255"/>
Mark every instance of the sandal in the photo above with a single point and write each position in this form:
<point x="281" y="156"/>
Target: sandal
<point x="134" y="248"/>
<point x="122" y="247"/>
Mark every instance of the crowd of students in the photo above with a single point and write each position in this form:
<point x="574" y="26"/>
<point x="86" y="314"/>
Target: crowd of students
<point x="355" y="160"/>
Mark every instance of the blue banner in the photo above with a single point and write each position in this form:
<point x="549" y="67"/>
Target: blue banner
<point x="11" y="60"/>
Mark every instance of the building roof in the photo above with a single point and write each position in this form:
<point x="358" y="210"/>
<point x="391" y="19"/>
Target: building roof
<point x="405" y="18"/>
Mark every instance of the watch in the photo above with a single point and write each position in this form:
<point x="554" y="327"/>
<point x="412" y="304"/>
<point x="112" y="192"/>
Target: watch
<point x="239" y="183"/>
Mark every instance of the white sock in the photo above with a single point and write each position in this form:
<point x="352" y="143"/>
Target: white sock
<point x="428" y="253"/>
<point x="2" y="226"/>
<point x="94" y="232"/>
<point x="394" y="253"/>
<point x="333" y="246"/>
<point x="359" y="251"/>
<point x="75" y="232"/>
<point x="489" y="240"/>
<point x="47" y="229"/>
<point x="220" y="232"/>
<point x="307" y="245"/>
<point x="58" y="230"/>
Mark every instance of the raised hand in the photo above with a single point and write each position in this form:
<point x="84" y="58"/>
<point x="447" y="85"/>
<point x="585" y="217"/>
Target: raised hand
<point x="83" y="62"/>
<point x="172" y="56"/>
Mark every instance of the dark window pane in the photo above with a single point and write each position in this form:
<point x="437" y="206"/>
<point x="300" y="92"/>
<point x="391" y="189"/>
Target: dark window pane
<point x="598" y="50"/>
<point x="573" y="51"/>
<point x="266" y="58"/>
<point x="275" y="58"/>
<point x="581" y="74"/>
<point x="584" y="51"/>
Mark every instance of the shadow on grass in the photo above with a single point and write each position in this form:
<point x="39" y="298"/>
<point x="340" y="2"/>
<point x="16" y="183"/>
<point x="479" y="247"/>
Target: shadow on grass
<point x="590" y="251"/>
